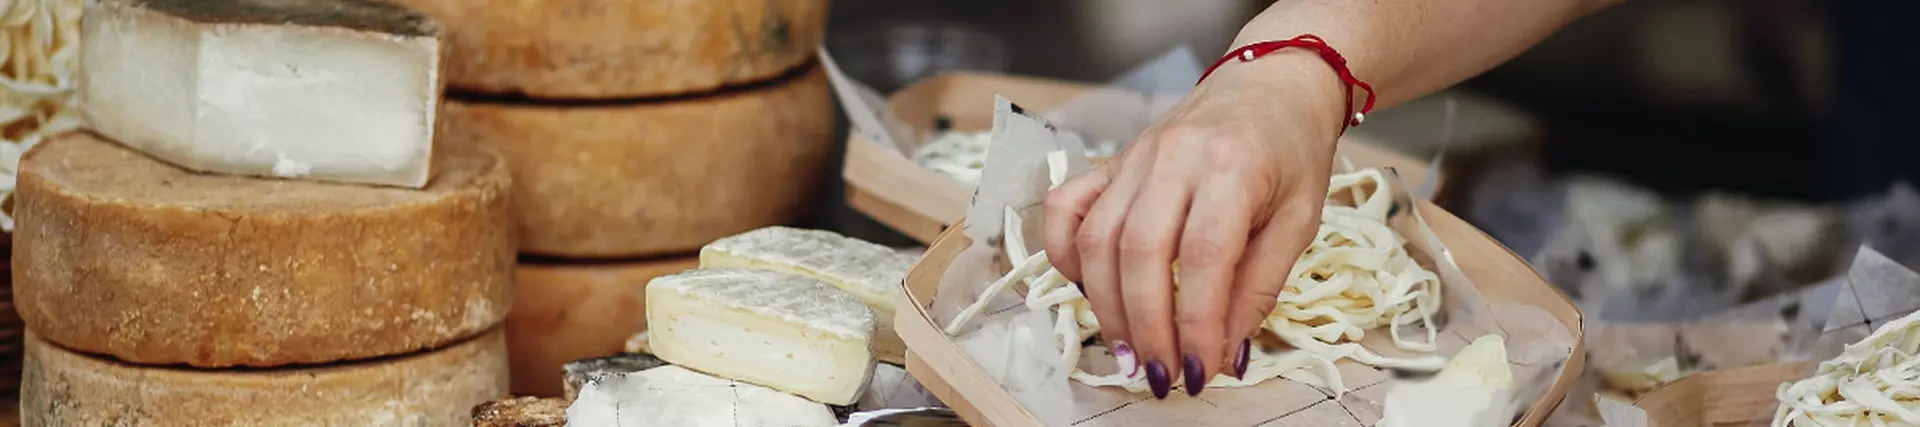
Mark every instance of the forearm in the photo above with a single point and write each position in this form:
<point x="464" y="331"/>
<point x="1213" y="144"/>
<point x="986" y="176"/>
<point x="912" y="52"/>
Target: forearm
<point x="1410" y="48"/>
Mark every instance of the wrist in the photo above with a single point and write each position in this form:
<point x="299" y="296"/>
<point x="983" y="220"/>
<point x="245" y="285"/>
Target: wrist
<point x="1295" y="82"/>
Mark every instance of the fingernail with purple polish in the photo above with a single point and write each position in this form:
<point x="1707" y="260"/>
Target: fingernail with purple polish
<point x="1157" y="379"/>
<point x="1195" y="374"/>
<point x="1123" y="353"/>
<point x="1240" y="362"/>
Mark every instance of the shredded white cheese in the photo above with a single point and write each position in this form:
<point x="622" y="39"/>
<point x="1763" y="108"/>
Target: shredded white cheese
<point x="37" y="62"/>
<point x="962" y="155"/>
<point x="959" y="155"/>
<point x="1356" y="276"/>
<point x="1874" y="382"/>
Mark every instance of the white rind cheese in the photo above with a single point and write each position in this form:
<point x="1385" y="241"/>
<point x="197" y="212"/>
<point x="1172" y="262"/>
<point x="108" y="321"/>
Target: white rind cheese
<point x="671" y="396"/>
<point x="1470" y="391"/>
<point x="869" y="271"/>
<point x="788" y="332"/>
<point x="436" y="388"/>
<point x="332" y="90"/>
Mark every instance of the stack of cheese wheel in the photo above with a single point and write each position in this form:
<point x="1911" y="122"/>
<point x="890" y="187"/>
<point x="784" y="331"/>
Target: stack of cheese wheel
<point x="155" y="294"/>
<point x="365" y="281"/>
<point x="636" y="131"/>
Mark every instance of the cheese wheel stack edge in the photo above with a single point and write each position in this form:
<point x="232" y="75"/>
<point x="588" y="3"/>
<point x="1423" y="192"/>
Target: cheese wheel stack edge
<point x="636" y="132"/>
<point x="261" y="225"/>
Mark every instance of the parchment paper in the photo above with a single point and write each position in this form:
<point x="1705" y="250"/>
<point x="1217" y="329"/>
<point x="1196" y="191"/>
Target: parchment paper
<point x="1876" y="290"/>
<point x="1111" y="115"/>
<point x="1782" y="328"/>
<point x="1014" y="345"/>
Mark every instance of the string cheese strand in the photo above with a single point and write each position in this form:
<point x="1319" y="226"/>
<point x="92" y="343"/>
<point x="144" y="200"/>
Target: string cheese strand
<point x="1874" y="382"/>
<point x="1356" y="276"/>
<point x="39" y="44"/>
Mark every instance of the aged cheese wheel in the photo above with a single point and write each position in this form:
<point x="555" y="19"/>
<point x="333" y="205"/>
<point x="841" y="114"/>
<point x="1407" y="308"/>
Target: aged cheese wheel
<point x="635" y="180"/>
<point x="119" y="254"/>
<point x="434" y="388"/>
<point x="563" y="313"/>
<point x="598" y="49"/>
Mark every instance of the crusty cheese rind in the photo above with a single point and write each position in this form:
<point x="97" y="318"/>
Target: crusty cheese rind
<point x="616" y="181"/>
<point x="600" y="49"/>
<point x="257" y="87"/>
<point x="524" y="411"/>
<point x="567" y="312"/>
<point x="436" y="388"/>
<point x="371" y="16"/>
<point x="169" y="266"/>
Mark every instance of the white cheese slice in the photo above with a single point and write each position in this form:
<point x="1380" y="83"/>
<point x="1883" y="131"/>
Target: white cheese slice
<point x="869" y="271"/>
<point x="333" y="90"/>
<point x="785" y="331"/>
<point x="672" y="396"/>
<point x="1463" y="394"/>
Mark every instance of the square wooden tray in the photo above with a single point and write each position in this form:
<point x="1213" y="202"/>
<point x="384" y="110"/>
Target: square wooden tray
<point x="938" y="363"/>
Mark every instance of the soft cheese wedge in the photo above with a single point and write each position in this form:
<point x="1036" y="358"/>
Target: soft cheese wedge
<point x="785" y="331"/>
<point x="333" y="90"/>
<point x="869" y="271"/>
<point x="1468" y="392"/>
<point x="672" y="396"/>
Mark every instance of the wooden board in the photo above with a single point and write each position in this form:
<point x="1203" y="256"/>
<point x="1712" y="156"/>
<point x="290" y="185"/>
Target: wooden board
<point x="940" y="366"/>
<point x="1724" y="398"/>
<point x="891" y="188"/>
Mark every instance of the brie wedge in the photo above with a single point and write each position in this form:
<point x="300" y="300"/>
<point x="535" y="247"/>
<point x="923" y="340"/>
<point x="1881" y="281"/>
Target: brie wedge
<point x="869" y="271"/>
<point x="785" y="331"/>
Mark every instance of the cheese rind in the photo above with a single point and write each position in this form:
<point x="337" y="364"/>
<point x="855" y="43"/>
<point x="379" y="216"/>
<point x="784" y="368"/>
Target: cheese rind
<point x="333" y="90"/>
<point x="869" y="271"/>
<point x="600" y="49"/>
<point x="524" y="411"/>
<point x="637" y="180"/>
<point x="672" y="396"/>
<point x="567" y="312"/>
<point x="435" y="388"/>
<point x="172" y="266"/>
<point x="580" y="372"/>
<point x="788" y="332"/>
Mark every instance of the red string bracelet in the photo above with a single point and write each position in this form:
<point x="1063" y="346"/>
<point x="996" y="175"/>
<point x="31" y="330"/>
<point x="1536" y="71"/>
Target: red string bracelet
<point x="1313" y="42"/>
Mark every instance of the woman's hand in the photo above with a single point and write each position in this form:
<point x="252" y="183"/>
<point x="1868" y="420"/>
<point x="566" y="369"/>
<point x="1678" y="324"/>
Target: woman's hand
<point x="1230" y="182"/>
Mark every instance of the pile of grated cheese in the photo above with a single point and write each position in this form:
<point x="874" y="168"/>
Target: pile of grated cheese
<point x="40" y="55"/>
<point x="962" y="155"/>
<point x="1355" y="277"/>
<point x="1874" y="382"/>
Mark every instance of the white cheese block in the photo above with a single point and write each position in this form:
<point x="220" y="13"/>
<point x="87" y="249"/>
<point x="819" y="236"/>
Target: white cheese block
<point x="334" y="90"/>
<point x="436" y="388"/>
<point x="788" y="332"/>
<point x="869" y="271"/>
<point x="672" y="396"/>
